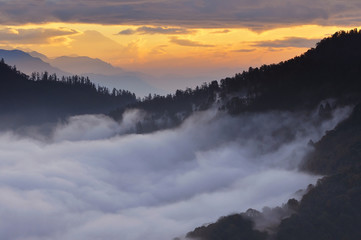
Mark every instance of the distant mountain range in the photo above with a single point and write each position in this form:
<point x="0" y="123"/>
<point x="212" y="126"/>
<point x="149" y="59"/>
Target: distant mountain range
<point x="81" y="65"/>
<point x="99" y="72"/>
<point x="28" y="64"/>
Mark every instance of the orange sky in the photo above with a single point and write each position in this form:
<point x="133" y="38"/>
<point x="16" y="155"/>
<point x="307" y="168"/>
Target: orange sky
<point x="197" y="48"/>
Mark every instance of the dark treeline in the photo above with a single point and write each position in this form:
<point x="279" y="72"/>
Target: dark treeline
<point x="330" y="70"/>
<point x="81" y="81"/>
<point x="44" y="97"/>
<point x="188" y="100"/>
<point x="250" y="225"/>
<point x="170" y="110"/>
<point x="233" y="227"/>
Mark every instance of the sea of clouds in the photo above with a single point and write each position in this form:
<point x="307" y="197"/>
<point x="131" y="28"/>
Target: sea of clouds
<point x="93" y="178"/>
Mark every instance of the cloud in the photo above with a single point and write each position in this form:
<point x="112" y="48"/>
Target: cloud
<point x="222" y="31"/>
<point x="94" y="127"/>
<point x="295" y="42"/>
<point x="155" y="30"/>
<point x="188" y="43"/>
<point x="34" y="36"/>
<point x="257" y="15"/>
<point x="127" y="31"/>
<point x="94" y="179"/>
<point x="159" y="50"/>
<point x="245" y="50"/>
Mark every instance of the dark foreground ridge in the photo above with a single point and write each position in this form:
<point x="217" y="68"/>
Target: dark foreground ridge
<point x="332" y="209"/>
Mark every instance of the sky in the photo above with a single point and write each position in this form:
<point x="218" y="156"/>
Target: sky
<point x="175" y="40"/>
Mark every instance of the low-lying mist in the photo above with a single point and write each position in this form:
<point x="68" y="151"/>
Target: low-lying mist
<point x="92" y="178"/>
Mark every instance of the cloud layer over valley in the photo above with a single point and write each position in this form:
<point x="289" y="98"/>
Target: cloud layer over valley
<point x="94" y="179"/>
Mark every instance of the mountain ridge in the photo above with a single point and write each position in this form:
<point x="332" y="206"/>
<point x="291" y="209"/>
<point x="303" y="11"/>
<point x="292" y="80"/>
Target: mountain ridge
<point x="28" y="63"/>
<point x="101" y="73"/>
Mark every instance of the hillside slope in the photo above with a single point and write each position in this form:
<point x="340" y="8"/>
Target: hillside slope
<point x="332" y="209"/>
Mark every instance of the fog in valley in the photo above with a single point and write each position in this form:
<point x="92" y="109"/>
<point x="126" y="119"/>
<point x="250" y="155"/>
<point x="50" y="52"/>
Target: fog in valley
<point x="93" y="178"/>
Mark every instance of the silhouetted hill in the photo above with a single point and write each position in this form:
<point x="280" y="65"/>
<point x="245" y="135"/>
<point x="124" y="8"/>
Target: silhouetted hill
<point x="25" y="100"/>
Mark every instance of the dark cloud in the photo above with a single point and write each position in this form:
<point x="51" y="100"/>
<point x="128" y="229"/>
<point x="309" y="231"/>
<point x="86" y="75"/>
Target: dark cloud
<point x="127" y="31"/>
<point x="94" y="179"/>
<point x="257" y="15"/>
<point x="155" y="30"/>
<point x="222" y="31"/>
<point x="273" y="15"/>
<point x="296" y="42"/>
<point x="245" y="50"/>
<point x="33" y="36"/>
<point x="188" y="43"/>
